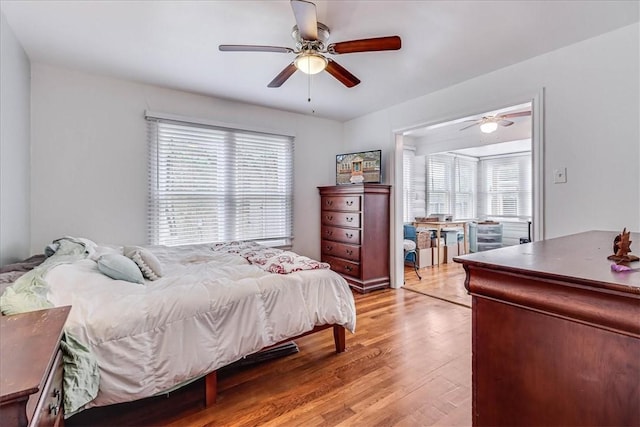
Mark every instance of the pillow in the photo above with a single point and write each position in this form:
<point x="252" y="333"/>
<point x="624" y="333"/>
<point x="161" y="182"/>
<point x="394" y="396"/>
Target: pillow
<point x="148" y="263"/>
<point x="103" y="250"/>
<point x="409" y="245"/>
<point x="119" y="267"/>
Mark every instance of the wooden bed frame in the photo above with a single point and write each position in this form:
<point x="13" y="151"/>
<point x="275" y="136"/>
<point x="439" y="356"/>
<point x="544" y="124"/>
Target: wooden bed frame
<point x="211" y="379"/>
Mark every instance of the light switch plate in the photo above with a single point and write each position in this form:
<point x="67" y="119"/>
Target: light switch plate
<point x="560" y="176"/>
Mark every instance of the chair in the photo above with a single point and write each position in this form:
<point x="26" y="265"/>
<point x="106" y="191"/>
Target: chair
<point x="409" y="247"/>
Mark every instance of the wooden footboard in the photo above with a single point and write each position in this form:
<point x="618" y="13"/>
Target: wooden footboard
<point x="211" y="379"/>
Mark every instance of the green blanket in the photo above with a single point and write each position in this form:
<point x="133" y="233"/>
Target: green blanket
<point x="29" y="293"/>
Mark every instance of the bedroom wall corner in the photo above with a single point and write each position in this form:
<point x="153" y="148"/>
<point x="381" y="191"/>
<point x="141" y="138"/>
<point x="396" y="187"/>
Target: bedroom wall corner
<point x="15" y="145"/>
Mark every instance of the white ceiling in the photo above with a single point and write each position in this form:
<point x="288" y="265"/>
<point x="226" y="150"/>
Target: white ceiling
<point x="175" y="44"/>
<point x="464" y="133"/>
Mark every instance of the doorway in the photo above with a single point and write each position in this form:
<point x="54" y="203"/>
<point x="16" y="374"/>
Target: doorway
<point x="457" y="144"/>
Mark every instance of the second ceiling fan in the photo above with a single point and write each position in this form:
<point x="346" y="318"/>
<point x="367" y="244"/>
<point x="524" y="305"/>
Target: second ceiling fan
<point x="489" y="124"/>
<point x="311" y="39"/>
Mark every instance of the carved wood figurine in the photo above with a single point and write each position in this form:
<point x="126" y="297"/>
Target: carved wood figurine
<point x="622" y="248"/>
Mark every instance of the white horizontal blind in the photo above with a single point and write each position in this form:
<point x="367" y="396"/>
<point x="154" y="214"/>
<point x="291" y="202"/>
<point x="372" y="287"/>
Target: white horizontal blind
<point x="409" y="195"/>
<point x="451" y="185"/>
<point x="439" y="178"/>
<point x="214" y="184"/>
<point x="505" y="186"/>
<point x="465" y="172"/>
<point x="419" y="182"/>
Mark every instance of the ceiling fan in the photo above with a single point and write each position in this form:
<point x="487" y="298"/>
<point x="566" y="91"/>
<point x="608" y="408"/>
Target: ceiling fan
<point x="489" y="124"/>
<point x="311" y="39"/>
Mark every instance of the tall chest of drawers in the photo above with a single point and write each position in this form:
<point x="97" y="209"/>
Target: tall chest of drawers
<point x="355" y="233"/>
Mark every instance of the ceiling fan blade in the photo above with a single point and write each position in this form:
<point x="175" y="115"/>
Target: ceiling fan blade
<point x="366" y="45"/>
<point x="477" y="122"/>
<point x="253" y="48"/>
<point x="341" y="73"/>
<point x="519" y="114"/>
<point x="505" y="122"/>
<point x="305" y="13"/>
<point x="283" y="76"/>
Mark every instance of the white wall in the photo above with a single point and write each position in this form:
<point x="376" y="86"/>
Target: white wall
<point x="14" y="147"/>
<point x="89" y="162"/>
<point x="591" y="123"/>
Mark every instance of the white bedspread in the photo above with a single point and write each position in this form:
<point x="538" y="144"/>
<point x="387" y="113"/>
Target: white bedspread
<point x="208" y="310"/>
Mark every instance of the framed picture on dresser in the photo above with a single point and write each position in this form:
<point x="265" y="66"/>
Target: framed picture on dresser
<point x="359" y="168"/>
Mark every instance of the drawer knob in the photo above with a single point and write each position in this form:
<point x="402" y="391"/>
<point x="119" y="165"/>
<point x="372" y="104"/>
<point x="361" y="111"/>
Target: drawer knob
<point x="349" y="235"/>
<point x="329" y="202"/>
<point x="348" y="268"/>
<point x="349" y="202"/>
<point x="329" y="248"/>
<point x="349" y="252"/>
<point x="329" y="232"/>
<point x="349" y="219"/>
<point x="329" y="217"/>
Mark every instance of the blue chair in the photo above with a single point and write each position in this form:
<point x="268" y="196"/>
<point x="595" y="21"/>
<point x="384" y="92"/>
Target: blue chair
<point x="409" y="246"/>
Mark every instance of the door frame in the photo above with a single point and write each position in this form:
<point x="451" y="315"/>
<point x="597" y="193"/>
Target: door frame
<point x="537" y="157"/>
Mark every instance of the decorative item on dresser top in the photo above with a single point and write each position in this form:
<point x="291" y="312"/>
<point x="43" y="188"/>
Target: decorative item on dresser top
<point x="555" y="334"/>
<point x="355" y="233"/>
<point x="31" y="367"/>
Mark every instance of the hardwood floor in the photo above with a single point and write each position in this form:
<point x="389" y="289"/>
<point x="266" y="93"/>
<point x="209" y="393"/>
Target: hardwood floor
<point x="445" y="281"/>
<point x="408" y="364"/>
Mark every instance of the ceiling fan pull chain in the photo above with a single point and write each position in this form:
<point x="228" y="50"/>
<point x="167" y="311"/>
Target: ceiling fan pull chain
<point x="309" y="89"/>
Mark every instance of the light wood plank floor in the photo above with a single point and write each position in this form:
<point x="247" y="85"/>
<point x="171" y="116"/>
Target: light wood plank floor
<point x="408" y="364"/>
<point x="445" y="281"/>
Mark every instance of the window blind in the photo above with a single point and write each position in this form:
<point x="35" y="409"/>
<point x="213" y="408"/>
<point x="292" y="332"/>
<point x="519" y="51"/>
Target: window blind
<point x="465" y="172"/>
<point x="505" y="186"/>
<point x="451" y="185"/>
<point x="409" y="194"/>
<point x="439" y="174"/>
<point x="215" y="184"/>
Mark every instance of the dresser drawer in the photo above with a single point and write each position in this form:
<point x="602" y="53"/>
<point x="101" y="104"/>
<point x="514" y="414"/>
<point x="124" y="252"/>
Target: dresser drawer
<point x="342" y="266"/>
<point x="341" y="203"/>
<point x="341" y="250"/>
<point x="341" y="219"/>
<point x="48" y="411"/>
<point x="338" y="234"/>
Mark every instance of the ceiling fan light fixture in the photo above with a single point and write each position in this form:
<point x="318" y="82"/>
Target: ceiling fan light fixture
<point x="310" y="62"/>
<point x="488" y="127"/>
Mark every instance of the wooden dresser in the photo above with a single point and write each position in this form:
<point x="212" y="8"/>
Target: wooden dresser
<point x="556" y="334"/>
<point x="31" y="368"/>
<point x="355" y="233"/>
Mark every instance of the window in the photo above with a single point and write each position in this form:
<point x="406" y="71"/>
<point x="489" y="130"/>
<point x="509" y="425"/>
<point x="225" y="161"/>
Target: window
<point x="451" y="185"/>
<point x="465" y="171"/>
<point x="505" y="186"/>
<point x="214" y="184"/>
<point x="408" y="196"/>
<point x="439" y="174"/>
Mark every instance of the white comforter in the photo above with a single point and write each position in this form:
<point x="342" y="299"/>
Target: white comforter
<point x="208" y="310"/>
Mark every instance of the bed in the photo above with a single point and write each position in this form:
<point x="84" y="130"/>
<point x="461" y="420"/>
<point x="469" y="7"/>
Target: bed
<point x="211" y="306"/>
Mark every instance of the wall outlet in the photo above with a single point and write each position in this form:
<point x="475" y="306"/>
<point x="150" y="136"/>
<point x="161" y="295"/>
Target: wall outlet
<point x="560" y="176"/>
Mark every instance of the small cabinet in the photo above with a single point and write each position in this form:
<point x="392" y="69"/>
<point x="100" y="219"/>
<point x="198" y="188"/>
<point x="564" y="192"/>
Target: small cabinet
<point x="354" y="227"/>
<point x="484" y="236"/>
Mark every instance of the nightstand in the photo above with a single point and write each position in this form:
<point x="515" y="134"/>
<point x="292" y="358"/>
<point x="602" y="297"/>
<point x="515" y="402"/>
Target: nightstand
<point x="31" y="368"/>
